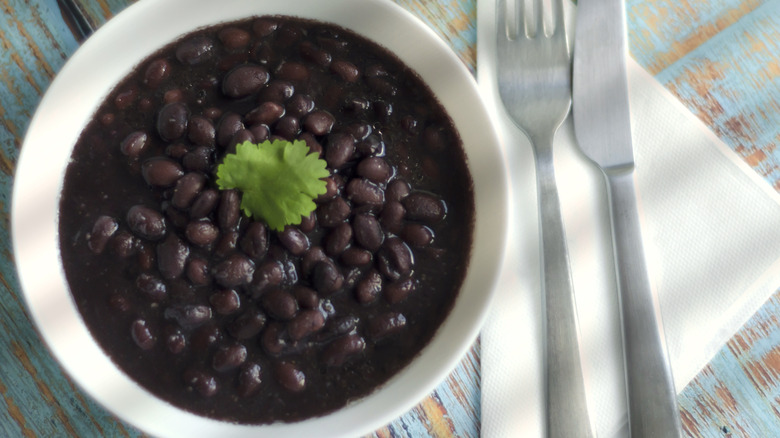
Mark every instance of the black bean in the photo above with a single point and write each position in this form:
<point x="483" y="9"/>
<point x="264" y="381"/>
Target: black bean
<point x="294" y="240"/>
<point x="276" y="91"/>
<point x="161" y="171"/>
<point x="134" y="144"/>
<point x="383" y="110"/>
<point x="397" y="190"/>
<point x="341" y="349"/>
<point x="290" y="376"/>
<point x="201" y="131"/>
<point x="333" y="213"/>
<point x="229" y="211"/>
<point x="274" y="339"/>
<point x="310" y="259"/>
<point x="293" y="71"/>
<point x="345" y="70"/>
<point x="417" y="235"/>
<point x="125" y="98"/>
<point x="198" y="159"/>
<point x="375" y="169"/>
<point x="338" y="239"/>
<point x="124" y="244"/>
<point x="355" y="256"/>
<point x="299" y="105"/>
<point x="151" y="286"/>
<point x="339" y="150"/>
<point x="172" y="256"/>
<point x="204" y="204"/>
<point x="327" y="278"/>
<point x="314" y="54"/>
<point x="255" y="240"/>
<point x="331" y="189"/>
<point x="410" y="125"/>
<point x="233" y="37"/>
<point x="176" y="150"/>
<point x="229" y="357"/>
<point x="360" y="131"/>
<point x="146" y="222"/>
<point x="195" y="50"/>
<point x="382" y="86"/>
<point x="174" y="95"/>
<point x="319" y="122"/>
<point x="156" y="72"/>
<point x="242" y="136"/>
<point x="385" y="325"/>
<point x="270" y="273"/>
<point x="175" y="340"/>
<point x="172" y="121"/>
<point x="205" y="336"/>
<point x="102" y="230"/>
<point x="373" y="145"/>
<point x="236" y="270"/>
<point x="308" y="223"/>
<point x="307" y="297"/>
<point x="397" y="291"/>
<point x="392" y="217"/>
<point x="227" y="244"/>
<point x="288" y="127"/>
<point x="175" y="216"/>
<point x="279" y="304"/>
<point x="368" y="289"/>
<point x="146" y="256"/>
<point x="260" y="132"/>
<point x="342" y="325"/>
<point x="142" y="335"/>
<point x="264" y="26"/>
<point x="197" y="271"/>
<point x="424" y="207"/>
<point x="247" y="325"/>
<point x="249" y="379"/>
<point x="363" y="192"/>
<point x="187" y="188"/>
<point x="356" y="105"/>
<point x="305" y="323"/>
<point x="205" y="384"/>
<point x="395" y="259"/>
<point x="225" y="301"/>
<point x="201" y="232"/>
<point x="368" y="231"/>
<point x="267" y="113"/>
<point x="228" y="126"/>
<point x="119" y="303"/>
<point x="244" y="80"/>
<point x="189" y="316"/>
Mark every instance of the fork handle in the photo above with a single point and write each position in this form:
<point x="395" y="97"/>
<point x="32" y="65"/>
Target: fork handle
<point x="567" y="410"/>
<point x="652" y="400"/>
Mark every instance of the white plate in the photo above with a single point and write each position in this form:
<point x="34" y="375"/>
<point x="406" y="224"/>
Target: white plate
<point x="72" y="99"/>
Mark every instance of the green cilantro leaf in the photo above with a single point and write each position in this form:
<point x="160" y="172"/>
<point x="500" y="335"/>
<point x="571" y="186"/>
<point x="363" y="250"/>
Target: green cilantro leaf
<point x="278" y="180"/>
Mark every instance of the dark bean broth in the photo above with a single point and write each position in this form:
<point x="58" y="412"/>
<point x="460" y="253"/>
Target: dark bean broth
<point x="216" y="313"/>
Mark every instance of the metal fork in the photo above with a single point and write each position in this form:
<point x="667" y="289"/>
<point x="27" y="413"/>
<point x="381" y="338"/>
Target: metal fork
<point x="534" y="81"/>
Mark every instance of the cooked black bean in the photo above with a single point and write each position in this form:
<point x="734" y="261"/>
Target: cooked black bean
<point x="102" y="230"/>
<point x="146" y="256"/>
<point x="228" y="126"/>
<point x="172" y="256"/>
<point x="338" y="239"/>
<point x="175" y="340"/>
<point x="264" y="26"/>
<point x="151" y="286"/>
<point x="314" y="54"/>
<point x="305" y="323"/>
<point x="356" y="105"/>
<point x="397" y="190"/>
<point x="267" y="113"/>
<point x="339" y="149"/>
<point x="355" y="256"/>
<point x="394" y="259"/>
<point x="417" y="235"/>
<point x="247" y="325"/>
<point x="195" y="50"/>
<point x="385" y="325"/>
<point x="236" y="270"/>
<point x="199" y="159"/>
<point x="249" y="379"/>
<point x="204" y="204"/>
<point x="310" y="259"/>
<point x="229" y="211"/>
<point x="293" y="71"/>
<point x="288" y="127"/>
<point x="368" y="231"/>
<point x="255" y="240"/>
<point x="172" y="121"/>
<point x="375" y="169"/>
<point x="242" y="136"/>
<point x="306" y="297"/>
<point x="342" y="349"/>
<point x="142" y="335"/>
<point x="383" y="110"/>
<point x="161" y="171"/>
<point x="227" y="244"/>
<point x="308" y="223"/>
<point x="189" y="316"/>
<point x="373" y="145"/>
<point x="333" y="213"/>
<point x="229" y="357"/>
<point x="327" y="278"/>
<point x="134" y="144"/>
<point x="187" y="188"/>
<point x="342" y="325"/>
<point x="410" y="125"/>
<point x="290" y="376"/>
<point x="274" y="339"/>
<point x="399" y="290"/>
<point x="294" y="240"/>
<point x="299" y="105"/>
<point x="197" y="271"/>
<point x="424" y="207"/>
<point x="368" y="289"/>
<point x="345" y="70"/>
<point x="319" y="122"/>
<point x="260" y="132"/>
<point x="361" y="191"/>
<point x="382" y="86"/>
<point x="145" y="222"/>
<point x="175" y="217"/>
<point x="201" y="131"/>
<point x="270" y="273"/>
<point x="124" y="244"/>
<point x="174" y="95"/>
<point x="233" y="37"/>
<point x="156" y="72"/>
<point x="276" y="91"/>
<point x="331" y="189"/>
<point x="119" y="303"/>
<point x="225" y="301"/>
<point x="201" y="233"/>
<point x="205" y="384"/>
<point x="279" y="304"/>
<point x="244" y="80"/>
<point x="125" y="98"/>
<point x="176" y="150"/>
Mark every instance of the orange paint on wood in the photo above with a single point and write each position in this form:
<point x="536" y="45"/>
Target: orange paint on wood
<point x="756" y="158"/>
<point x="16" y="413"/>
<point x="439" y="425"/>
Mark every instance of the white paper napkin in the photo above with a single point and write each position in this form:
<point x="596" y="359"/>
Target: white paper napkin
<point x="712" y="232"/>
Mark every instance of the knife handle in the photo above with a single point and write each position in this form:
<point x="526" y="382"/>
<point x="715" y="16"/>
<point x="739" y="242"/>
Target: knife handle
<point x="565" y="401"/>
<point x="652" y="400"/>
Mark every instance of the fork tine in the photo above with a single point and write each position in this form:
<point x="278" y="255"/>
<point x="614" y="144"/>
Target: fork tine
<point x="538" y="16"/>
<point x="559" y="20"/>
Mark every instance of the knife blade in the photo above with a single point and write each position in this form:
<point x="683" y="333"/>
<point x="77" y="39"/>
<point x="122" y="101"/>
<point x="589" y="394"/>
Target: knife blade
<point x="602" y="126"/>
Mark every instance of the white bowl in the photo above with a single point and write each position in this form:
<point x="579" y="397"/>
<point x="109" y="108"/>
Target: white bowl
<point x="97" y="67"/>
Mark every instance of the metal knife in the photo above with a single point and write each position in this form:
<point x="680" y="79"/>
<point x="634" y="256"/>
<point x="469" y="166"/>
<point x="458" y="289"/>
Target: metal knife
<point x="603" y="129"/>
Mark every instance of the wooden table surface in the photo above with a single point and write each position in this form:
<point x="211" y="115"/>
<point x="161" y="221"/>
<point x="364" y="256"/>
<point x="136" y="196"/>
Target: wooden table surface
<point x="720" y="58"/>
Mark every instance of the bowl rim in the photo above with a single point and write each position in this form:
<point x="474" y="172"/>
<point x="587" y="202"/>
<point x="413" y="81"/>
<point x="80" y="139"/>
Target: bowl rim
<point x="37" y="185"/>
